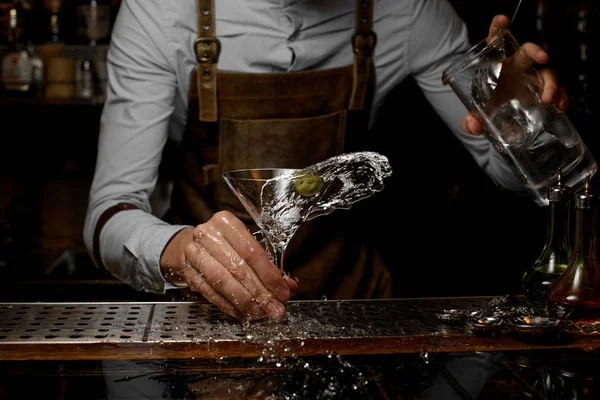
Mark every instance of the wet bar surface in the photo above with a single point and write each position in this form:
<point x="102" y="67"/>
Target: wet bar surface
<point x="176" y="330"/>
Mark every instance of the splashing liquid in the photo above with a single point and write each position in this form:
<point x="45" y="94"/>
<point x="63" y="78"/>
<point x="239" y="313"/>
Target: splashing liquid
<point x="346" y="178"/>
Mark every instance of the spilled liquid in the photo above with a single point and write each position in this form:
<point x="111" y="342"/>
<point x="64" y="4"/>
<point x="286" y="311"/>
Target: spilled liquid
<point x="277" y="374"/>
<point x="347" y="178"/>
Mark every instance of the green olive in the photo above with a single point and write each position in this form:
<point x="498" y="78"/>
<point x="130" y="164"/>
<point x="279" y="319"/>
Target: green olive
<point x="308" y="185"/>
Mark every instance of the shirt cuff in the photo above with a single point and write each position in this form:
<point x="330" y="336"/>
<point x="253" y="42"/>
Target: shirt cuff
<point x="132" y="243"/>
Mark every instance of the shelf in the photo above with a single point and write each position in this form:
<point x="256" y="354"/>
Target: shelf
<point x="47" y="52"/>
<point x="97" y="101"/>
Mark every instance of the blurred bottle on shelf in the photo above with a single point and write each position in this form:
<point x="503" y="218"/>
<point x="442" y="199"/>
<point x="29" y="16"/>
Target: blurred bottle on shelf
<point x="87" y="79"/>
<point x="5" y="9"/>
<point x="54" y="20"/>
<point x="58" y="18"/>
<point x="93" y="28"/>
<point x="21" y="69"/>
<point x="93" y="21"/>
<point x="61" y="77"/>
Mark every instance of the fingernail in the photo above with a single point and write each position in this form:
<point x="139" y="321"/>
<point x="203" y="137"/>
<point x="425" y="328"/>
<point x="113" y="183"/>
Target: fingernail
<point x="256" y="313"/>
<point x="275" y="309"/>
<point x="283" y="292"/>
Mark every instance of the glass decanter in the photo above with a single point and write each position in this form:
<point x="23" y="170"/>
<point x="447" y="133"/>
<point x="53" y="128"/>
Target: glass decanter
<point x="554" y="257"/>
<point x="575" y="295"/>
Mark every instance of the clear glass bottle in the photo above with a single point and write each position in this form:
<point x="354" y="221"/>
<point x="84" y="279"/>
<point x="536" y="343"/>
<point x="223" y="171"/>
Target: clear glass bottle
<point x="93" y="21"/>
<point x="555" y="254"/>
<point x="16" y="69"/>
<point x="576" y="293"/>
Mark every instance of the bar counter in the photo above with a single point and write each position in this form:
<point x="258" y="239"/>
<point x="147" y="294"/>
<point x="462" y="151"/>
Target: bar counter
<point x="174" y="330"/>
<point x="358" y="349"/>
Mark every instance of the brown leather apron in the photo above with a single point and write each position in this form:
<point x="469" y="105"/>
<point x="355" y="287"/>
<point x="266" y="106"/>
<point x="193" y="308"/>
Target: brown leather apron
<point x="284" y="120"/>
<point x="288" y="120"/>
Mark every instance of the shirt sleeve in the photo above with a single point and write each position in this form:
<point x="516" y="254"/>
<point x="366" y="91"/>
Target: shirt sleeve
<point x="437" y="38"/>
<point x="133" y="131"/>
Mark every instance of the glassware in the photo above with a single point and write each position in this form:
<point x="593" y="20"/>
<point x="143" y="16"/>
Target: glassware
<point x="576" y="293"/>
<point x="535" y="139"/>
<point x="279" y="199"/>
<point x="555" y="254"/>
<point x="257" y="189"/>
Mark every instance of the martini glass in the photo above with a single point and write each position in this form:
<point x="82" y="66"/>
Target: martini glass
<point x="271" y="198"/>
<point x="280" y="199"/>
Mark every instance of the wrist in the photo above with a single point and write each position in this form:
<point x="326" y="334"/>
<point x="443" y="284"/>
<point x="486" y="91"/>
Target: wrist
<point x="173" y="256"/>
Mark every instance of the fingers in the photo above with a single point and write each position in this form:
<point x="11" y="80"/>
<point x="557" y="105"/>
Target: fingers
<point x="498" y="22"/>
<point x="231" y="275"/>
<point x="223" y="285"/>
<point x="550" y="88"/>
<point x="230" y="268"/>
<point x="527" y="55"/>
<point x="292" y="284"/>
<point x="197" y="283"/>
<point x="563" y="99"/>
<point x="244" y="253"/>
<point x="552" y="93"/>
<point x="470" y="124"/>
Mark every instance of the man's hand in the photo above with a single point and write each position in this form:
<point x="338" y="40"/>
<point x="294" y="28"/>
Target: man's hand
<point x="222" y="261"/>
<point x="528" y="55"/>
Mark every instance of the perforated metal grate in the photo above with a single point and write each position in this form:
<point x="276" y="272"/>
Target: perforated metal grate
<point x="161" y="322"/>
<point x="29" y="323"/>
<point x="180" y="329"/>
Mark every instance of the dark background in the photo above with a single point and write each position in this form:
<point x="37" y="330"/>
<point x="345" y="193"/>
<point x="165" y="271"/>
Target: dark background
<point x="466" y="236"/>
<point x="446" y="229"/>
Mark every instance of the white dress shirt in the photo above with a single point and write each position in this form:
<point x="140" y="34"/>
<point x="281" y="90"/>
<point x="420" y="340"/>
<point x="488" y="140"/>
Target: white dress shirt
<point x="150" y="61"/>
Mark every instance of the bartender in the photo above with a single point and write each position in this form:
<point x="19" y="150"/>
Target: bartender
<point x="249" y="84"/>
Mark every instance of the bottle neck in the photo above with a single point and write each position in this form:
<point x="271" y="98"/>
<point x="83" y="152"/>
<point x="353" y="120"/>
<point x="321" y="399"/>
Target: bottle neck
<point x="14" y="32"/>
<point x="557" y="223"/>
<point x="586" y="234"/>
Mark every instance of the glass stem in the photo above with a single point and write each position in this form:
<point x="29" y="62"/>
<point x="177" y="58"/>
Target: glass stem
<point x="278" y="253"/>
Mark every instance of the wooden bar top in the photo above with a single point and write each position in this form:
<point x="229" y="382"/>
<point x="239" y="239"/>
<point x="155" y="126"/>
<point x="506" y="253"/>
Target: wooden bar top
<point x="176" y="330"/>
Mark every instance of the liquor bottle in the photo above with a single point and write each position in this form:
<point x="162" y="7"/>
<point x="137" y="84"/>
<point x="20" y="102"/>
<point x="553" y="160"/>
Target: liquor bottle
<point x="555" y="254"/>
<point x="576" y="293"/>
<point x="93" y="21"/>
<point x="87" y="86"/>
<point x="59" y="18"/>
<point x="21" y="71"/>
<point x="5" y="9"/>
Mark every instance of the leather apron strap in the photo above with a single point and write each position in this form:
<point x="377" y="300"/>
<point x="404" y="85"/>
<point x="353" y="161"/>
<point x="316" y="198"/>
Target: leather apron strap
<point x="363" y="42"/>
<point x="208" y="48"/>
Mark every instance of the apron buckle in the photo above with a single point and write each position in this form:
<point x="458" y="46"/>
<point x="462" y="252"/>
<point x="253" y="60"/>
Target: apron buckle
<point x="207" y="49"/>
<point x="364" y="43"/>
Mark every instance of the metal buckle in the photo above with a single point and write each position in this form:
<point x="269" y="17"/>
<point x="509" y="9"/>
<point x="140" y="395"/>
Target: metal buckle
<point x="207" y="41"/>
<point x="364" y="50"/>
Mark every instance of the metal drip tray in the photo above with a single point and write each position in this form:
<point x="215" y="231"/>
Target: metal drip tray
<point x="183" y="329"/>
